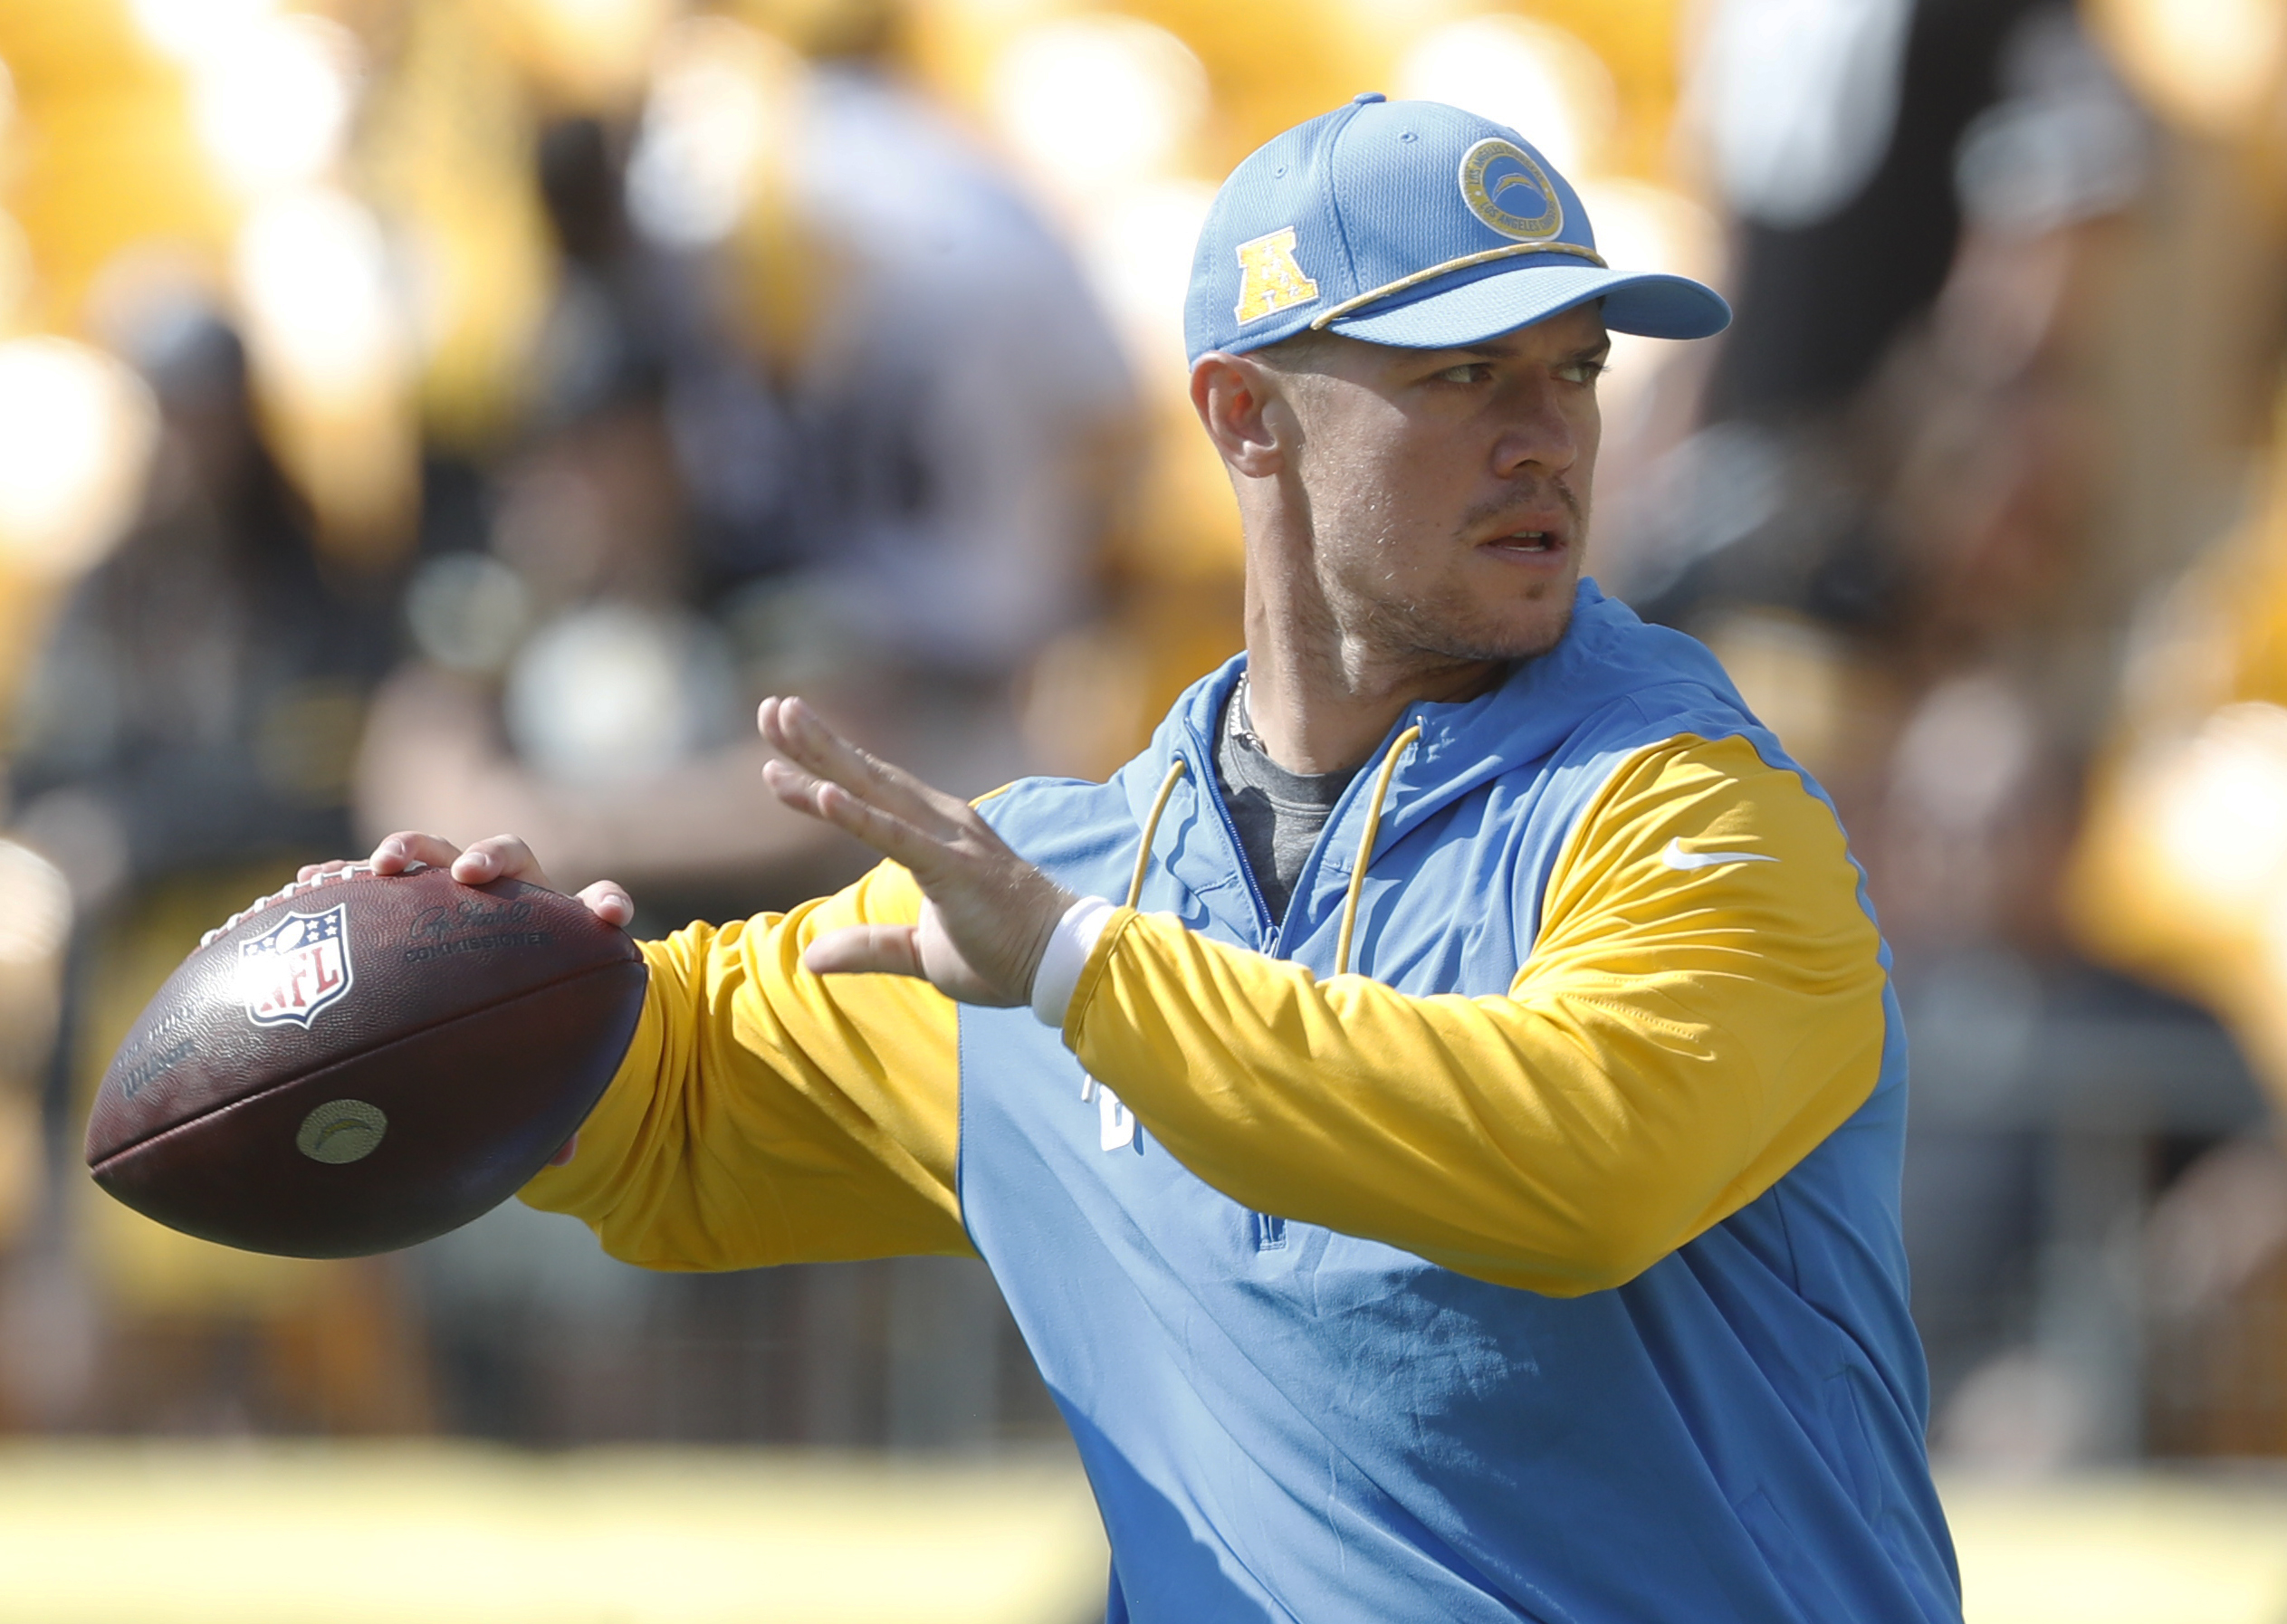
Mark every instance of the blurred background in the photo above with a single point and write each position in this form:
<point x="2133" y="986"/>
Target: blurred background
<point x="456" y="413"/>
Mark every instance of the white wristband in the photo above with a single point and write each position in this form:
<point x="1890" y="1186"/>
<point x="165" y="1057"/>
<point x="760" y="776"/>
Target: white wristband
<point x="1070" y="945"/>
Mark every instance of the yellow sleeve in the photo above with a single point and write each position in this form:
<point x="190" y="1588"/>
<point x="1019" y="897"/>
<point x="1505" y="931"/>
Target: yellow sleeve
<point x="766" y="1115"/>
<point x="1680" y="1036"/>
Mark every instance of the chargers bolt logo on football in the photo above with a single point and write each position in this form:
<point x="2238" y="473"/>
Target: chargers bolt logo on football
<point x="1491" y="173"/>
<point x="297" y="968"/>
<point x="341" y="1131"/>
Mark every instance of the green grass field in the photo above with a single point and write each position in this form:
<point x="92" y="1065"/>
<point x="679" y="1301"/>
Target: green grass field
<point x="396" y="1533"/>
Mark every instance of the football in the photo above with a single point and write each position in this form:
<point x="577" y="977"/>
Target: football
<point x="361" y="1062"/>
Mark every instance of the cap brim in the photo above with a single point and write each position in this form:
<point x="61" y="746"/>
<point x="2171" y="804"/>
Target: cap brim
<point x="1653" y="303"/>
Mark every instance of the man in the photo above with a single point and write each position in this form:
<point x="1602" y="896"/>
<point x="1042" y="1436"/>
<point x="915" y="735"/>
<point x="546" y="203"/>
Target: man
<point x="1436" y="1113"/>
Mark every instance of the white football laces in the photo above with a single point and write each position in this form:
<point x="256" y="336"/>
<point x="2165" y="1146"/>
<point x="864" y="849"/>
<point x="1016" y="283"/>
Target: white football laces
<point x="294" y="888"/>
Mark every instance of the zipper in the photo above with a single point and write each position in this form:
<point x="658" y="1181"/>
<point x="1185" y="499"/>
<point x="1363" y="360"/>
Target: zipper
<point x="1269" y="1229"/>
<point x="1210" y="784"/>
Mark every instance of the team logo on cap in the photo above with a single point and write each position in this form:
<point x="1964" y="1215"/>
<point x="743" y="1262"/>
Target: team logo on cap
<point x="1509" y="192"/>
<point x="295" y="969"/>
<point x="1269" y="281"/>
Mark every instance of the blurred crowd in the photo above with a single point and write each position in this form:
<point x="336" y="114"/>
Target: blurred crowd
<point x="456" y="413"/>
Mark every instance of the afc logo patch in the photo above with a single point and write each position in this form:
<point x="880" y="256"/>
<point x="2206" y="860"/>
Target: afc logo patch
<point x="297" y="967"/>
<point x="1270" y="281"/>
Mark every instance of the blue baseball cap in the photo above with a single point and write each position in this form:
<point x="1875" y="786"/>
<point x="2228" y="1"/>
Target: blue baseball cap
<point x="1416" y="224"/>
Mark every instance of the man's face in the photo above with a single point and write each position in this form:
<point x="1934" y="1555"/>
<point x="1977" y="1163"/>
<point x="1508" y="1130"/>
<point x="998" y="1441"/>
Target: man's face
<point x="1448" y="488"/>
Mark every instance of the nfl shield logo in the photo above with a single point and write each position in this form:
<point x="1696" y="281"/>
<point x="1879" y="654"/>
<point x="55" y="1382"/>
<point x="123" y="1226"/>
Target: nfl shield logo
<point x="295" y="969"/>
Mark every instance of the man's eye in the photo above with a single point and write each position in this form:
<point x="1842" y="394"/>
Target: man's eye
<point x="1468" y="372"/>
<point x="1581" y="372"/>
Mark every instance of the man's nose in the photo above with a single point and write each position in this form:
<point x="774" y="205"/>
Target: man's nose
<point x="1539" y="430"/>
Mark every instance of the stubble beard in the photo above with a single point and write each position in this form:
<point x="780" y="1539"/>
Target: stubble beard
<point x="1450" y="629"/>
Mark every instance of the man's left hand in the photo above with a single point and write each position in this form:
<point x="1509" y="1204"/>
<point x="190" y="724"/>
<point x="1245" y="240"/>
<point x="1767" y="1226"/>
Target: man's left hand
<point x="987" y="914"/>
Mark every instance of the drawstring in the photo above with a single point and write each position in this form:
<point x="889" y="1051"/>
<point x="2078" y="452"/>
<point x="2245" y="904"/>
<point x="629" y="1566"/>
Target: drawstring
<point x="1365" y="845"/>
<point x="1152" y="828"/>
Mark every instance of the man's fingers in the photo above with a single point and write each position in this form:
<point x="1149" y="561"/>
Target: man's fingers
<point x="400" y="851"/>
<point x="797" y="732"/>
<point x="609" y="903"/>
<point x="795" y="788"/>
<point x="501" y="857"/>
<point x="866" y="950"/>
<point x="828" y="802"/>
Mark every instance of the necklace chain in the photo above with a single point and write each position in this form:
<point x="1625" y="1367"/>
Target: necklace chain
<point x="1238" y="721"/>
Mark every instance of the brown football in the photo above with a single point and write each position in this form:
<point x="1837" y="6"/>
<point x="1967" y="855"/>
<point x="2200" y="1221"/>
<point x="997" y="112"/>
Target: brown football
<point x="361" y="1062"/>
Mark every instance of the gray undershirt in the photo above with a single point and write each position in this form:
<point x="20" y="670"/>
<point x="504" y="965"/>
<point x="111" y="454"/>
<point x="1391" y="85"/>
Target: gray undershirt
<point x="1278" y="814"/>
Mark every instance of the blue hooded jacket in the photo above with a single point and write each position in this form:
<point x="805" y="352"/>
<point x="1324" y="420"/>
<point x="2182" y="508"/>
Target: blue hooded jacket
<point x="1285" y="1422"/>
<point x="1510" y="1232"/>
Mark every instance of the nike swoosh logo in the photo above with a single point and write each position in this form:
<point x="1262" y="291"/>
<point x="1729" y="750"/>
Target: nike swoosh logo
<point x="1675" y="856"/>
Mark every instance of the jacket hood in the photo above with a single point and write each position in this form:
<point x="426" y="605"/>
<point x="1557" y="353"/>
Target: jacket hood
<point x="1608" y="655"/>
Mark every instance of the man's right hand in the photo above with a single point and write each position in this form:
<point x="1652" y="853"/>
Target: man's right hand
<point x="501" y="857"/>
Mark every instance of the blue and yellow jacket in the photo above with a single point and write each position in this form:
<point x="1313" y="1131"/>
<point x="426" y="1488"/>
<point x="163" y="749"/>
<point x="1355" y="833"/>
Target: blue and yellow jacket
<point x="1510" y="1231"/>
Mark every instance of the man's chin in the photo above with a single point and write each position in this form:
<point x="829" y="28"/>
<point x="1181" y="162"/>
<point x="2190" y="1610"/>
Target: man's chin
<point x="1526" y="641"/>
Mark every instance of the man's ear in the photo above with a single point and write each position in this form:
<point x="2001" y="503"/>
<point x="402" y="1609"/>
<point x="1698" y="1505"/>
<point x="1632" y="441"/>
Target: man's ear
<point x="1244" y="408"/>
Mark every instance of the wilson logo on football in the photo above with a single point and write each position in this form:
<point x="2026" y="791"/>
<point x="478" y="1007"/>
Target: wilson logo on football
<point x="295" y="969"/>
